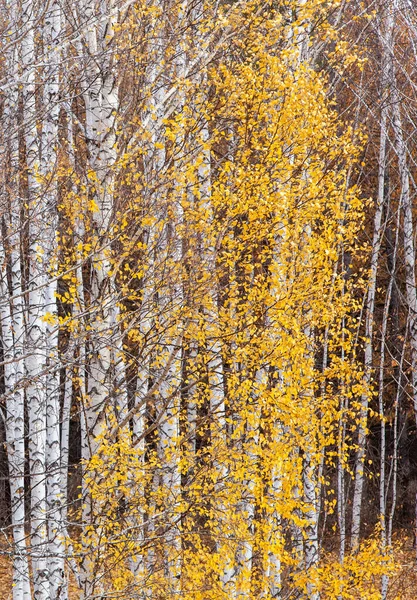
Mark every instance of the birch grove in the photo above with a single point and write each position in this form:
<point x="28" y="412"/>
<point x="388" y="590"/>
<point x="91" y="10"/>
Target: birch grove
<point x="208" y="298"/>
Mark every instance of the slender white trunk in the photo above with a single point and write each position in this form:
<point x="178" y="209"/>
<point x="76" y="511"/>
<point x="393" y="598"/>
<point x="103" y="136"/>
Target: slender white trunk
<point x="35" y="333"/>
<point x="370" y="302"/>
<point x="310" y="486"/>
<point x="65" y="433"/>
<point x="408" y="230"/>
<point x="101" y="105"/>
<point x="394" y="463"/>
<point x="341" y="508"/>
<point x="386" y="538"/>
<point x="409" y="249"/>
<point x="169" y="404"/>
<point x="311" y="546"/>
<point x="12" y="330"/>
<point x="382" y="482"/>
<point x="104" y="348"/>
<point x="12" y="323"/>
<point x="49" y="142"/>
<point x="275" y="567"/>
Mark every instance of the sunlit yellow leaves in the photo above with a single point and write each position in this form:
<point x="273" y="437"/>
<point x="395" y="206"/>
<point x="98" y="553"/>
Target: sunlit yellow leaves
<point x="50" y="318"/>
<point x="232" y="215"/>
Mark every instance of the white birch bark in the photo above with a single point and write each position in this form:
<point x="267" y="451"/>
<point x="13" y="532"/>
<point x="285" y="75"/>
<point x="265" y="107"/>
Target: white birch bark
<point x="12" y="330"/>
<point x="382" y="482"/>
<point x="409" y="249"/>
<point x="386" y="530"/>
<point x="35" y="333"/>
<point x="101" y="106"/>
<point x="65" y="434"/>
<point x="409" y="242"/>
<point x="341" y="450"/>
<point x="311" y="546"/>
<point x="12" y="324"/>
<point x="394" y="464"/>
<point x="104" y="347"/>
<point x="13" y="341"/>
<point x="370" y="302"/>
<point x="408" y="226"/>
<point x="310" y="486"/>
<point x="275" y="567"/>
<point x="49" y="143"/>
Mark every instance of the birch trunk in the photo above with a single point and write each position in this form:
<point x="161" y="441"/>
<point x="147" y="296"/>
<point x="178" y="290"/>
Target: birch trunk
<point x="396" y="440"/>
<point x="48" y="165"/>
<point x="408" y="226"/>
<point x="104" y="347"/>
<point x="382" y="482"/>
<point x="35" y="332"/>
<point x="370" y="301"/>
<point x="12" y="331"/>
<point x="13" y="340"/>
<point x="101" y="106"/>
<point x="12" y="323"/>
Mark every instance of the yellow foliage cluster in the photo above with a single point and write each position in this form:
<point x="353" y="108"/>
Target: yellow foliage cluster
<point x="233" y="216"/>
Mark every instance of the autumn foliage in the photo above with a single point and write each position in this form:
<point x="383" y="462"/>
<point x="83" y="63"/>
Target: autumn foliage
<point x="184" y="278"/>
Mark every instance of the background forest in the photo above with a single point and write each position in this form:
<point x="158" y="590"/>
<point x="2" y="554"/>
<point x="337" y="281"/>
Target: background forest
<point x="208" y="302"/>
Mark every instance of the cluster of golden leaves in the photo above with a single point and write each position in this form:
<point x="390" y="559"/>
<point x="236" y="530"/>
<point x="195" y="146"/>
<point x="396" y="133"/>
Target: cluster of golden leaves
<point x="253" y="190"/>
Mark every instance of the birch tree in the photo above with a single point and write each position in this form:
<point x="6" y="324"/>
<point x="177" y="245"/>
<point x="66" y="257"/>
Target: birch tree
<point x="386" y="74"/>
<point x="175" y="315"/>
<point x="12" y="323"/>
